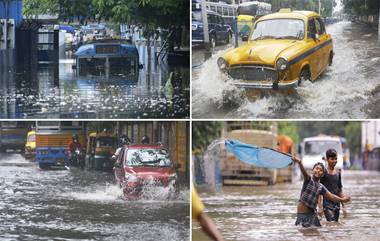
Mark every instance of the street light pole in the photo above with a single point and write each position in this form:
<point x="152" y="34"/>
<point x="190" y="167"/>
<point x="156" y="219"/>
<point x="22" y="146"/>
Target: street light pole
<point x="319" y="7"/>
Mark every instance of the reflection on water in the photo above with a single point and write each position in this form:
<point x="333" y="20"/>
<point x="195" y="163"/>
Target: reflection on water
<point x="269" y="213"/>
<point x="59" y="92"/>
<point x="63" y="205"/>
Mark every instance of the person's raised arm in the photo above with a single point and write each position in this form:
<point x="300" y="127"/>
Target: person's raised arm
<point x="302" y="168"/>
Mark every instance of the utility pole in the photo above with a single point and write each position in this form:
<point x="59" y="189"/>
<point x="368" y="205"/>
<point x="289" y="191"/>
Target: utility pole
<point x="206" y="39"/>
<point x="319" y="7"/>
<point x="379" y="26"/>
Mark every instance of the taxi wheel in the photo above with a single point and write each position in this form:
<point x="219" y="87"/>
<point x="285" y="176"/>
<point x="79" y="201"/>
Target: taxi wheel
<point x="331" y="59"/>
<point x="304" y="76"/>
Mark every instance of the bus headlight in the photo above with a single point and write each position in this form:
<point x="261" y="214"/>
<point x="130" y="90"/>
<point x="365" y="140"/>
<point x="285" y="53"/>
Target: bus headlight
<point x="282" y="64"/>
<point x="222" y="64"/>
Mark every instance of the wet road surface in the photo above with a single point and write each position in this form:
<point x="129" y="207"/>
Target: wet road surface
<point x="68" y="205"/>
<point x="350" y="88"/>
<point x="269" y="213"/>
<point x="59" y="92"/>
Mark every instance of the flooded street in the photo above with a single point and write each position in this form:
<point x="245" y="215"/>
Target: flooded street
<point x="269" y="213"/>
<point x="68" y="205"/>
<point x="159" y="91"/>
<point x="348" y="89"/>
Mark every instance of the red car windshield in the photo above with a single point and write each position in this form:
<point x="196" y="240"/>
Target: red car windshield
<point x="148" y="157"/>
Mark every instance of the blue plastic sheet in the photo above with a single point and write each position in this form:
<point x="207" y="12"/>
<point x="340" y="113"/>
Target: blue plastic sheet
<point x="258" y="156"/>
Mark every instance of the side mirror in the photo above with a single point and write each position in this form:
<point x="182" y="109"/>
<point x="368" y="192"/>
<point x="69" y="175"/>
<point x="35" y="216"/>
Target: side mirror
<point x="73" y="66"/>
<point x="244" y="38"/>
<point x="141" y="66"/>
<point x="313" y="36"/>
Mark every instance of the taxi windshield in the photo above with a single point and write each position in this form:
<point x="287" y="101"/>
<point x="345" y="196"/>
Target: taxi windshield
<point x="279" y="29"/>
<point x="148" y="157"/>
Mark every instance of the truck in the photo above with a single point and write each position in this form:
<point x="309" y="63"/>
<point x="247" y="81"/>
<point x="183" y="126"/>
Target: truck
<point x="313" y="150"/>
<point x="52" y="140"/>
<point x="13" y="135"/>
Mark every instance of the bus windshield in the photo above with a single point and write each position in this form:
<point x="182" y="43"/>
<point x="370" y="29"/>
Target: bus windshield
<point x="247" y="10"/>
<point x="254" y="8"/>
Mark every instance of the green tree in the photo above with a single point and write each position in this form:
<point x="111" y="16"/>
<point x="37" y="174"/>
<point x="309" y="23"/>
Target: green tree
<point x="203" y="133"/>
<point x="289" y="129"/>
<point x="353" y="136"/>
<point x="361" y="7"/>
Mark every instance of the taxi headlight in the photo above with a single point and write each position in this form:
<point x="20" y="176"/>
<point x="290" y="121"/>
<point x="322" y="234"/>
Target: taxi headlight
<point x="282" y="64"/>
<point x="222" y="63"/>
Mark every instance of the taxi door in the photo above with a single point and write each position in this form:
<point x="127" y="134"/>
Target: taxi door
<point x="324" y="52"/>
<point x="312" y="43"/>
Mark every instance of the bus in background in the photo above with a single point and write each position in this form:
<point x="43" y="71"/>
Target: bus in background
<point x="248" y="13"/>
<point x="227" y="11"/>
<point x="313" y="150"/>
<point x="13" y="135"/>
<point x="52" y="140"/>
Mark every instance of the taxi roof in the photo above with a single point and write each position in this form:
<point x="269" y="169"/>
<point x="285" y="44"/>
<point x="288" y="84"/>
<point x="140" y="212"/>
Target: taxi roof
<point x="292" y="14"/>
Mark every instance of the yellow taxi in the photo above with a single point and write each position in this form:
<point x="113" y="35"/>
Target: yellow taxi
<point x="283" y="50"/>
<point x="30" y="145"/>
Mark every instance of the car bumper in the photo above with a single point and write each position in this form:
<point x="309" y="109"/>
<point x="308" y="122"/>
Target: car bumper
<point x="260" y="85"/>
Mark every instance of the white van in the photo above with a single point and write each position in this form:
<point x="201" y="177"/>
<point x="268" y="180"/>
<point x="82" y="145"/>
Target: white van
<point x="313" y="149"/>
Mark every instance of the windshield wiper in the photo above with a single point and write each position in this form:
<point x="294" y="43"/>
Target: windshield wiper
<point x="264" y="37"/>
<point x="287" y="37"/>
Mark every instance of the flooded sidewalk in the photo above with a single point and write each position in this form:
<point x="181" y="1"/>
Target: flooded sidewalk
<point x="269" y="213"/>
<point x="348" y="89"/>
<point x="158" y="91"/>
<point x="68" y="205"/>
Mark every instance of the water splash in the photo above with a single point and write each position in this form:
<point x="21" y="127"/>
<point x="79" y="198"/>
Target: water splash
<point x="108" y="193"/>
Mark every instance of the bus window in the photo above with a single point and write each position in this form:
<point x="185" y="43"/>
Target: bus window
<point x="225" y="11"/>
<point x="219" y="10"/>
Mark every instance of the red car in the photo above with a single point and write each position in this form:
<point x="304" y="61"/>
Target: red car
<point x="140" y="165"/>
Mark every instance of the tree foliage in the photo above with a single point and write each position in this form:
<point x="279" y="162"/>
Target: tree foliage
<point x="289" y="129"/>
<point x="149" y="13"/>
<point x="203" y="133"/>
<point x="361" y="7"/>
<point x="310" y="5"/>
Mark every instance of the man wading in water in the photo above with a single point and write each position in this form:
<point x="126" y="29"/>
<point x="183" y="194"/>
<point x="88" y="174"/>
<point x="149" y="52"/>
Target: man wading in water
<point x="332" y="180"/>
<point x="311" y="189"/>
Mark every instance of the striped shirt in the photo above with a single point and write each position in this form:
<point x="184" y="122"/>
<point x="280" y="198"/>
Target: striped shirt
<point x="310" y="191"/>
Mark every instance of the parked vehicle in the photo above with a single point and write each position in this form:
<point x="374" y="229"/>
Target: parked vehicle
<point x="100" y="148"/>
<point x="219" y="32"/>
<point x="141" y="165"/>
<point x="30" y="146"/>
<point x="283" y="50"/>
<point x="12" y="135"/>
<point x="313" y="150"/>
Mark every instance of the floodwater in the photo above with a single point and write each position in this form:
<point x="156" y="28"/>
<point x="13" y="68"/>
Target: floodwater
<point x="161" y="91"/>
<point x="68" y="205"/>
<point x="269" y="213"/>
<point x="350" y="88"/>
